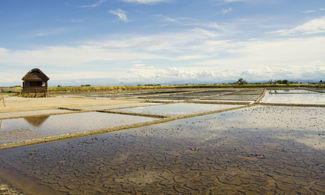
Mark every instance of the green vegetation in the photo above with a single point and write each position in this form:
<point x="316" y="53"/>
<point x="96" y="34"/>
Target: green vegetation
<point x="10" y="91"/>
<point x="81" y="89"/>
<point x="241" y="81"/>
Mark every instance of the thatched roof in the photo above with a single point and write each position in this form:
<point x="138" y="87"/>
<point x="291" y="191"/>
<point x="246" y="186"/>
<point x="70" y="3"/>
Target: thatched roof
<point x="35" y="75"/>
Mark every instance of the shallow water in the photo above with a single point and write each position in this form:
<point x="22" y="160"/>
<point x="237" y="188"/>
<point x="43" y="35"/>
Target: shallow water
<point x="254" y="150"/>
<point x="249" y="92"/>
<point x="290" y="91"/>
<point x="234" y="97"/>
<point x="108" y="107"/>
<point x="178" y="109"/>
<point x="20" y="114"/>
<point x="15" y="130"/>
<point x="299" y="98"/>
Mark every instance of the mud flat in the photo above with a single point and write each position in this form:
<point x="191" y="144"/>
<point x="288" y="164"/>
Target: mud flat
<point x="261" y="149"/>
<point x="236" y="147"/>
<point x="7" y="190"/>
<point x="14" y="104"/>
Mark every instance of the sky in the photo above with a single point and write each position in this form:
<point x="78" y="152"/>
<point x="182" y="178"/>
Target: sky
<point x="128" y="42"/>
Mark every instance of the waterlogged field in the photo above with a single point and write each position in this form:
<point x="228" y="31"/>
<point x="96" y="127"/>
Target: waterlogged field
<point x="178" y="109"/>
<point x="21" y="129"/>
<point x="251" y="149"/>
<point x="294" y="97"/>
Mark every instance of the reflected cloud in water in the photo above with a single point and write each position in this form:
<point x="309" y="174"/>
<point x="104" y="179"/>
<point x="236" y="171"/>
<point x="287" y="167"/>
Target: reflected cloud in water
<point x="294" y="97"/>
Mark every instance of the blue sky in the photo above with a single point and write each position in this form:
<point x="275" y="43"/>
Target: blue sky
<point x="111" y="42"/>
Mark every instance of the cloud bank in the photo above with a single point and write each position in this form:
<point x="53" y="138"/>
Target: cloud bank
<point x="200" y="54"/>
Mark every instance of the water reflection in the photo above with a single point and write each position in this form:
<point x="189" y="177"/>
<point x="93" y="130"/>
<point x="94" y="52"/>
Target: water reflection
<point x="178" y="109"/>
<point x="36" y="121"/>
<point x="21" y="129"/>
<point x="289" y="91"/>
<point x="294" y="97"/>
<point x="233" y="152"/>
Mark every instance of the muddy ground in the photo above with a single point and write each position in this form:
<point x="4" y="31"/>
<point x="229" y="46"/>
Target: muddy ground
<point x="224" y="143"/>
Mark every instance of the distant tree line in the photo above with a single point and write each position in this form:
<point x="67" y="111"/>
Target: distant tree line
<point x="241" y="81"/>
<point x="149" y="85"/>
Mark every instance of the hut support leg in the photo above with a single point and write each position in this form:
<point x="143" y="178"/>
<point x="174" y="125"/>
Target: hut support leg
<point x="3" y="101"/>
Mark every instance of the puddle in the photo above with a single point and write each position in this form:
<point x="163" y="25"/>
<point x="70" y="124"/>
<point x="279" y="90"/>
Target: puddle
<point x="254" y="150"/>
<point x="178" y="109"/>
<point x="15" y="130"/>
<point x="294" y="97"/>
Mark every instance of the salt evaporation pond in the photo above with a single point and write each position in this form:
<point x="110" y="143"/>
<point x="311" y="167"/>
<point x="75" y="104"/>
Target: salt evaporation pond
<point x="178" y="109"/>
<point x="256" y="150"/>
<point x="290" y="91"/>
<point x="109" y="107"/>
<point x="21" y="129"/>
<point x="294" y="97"/>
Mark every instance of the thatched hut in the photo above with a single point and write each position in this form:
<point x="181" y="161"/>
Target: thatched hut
<point x="35" y="83"/>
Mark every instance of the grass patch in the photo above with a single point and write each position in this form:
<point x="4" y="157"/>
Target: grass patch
<point x="117" y="89"/>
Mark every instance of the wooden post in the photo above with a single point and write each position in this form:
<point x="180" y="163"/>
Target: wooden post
<point x="46" y="93"/>
<point x="3" y="101"/>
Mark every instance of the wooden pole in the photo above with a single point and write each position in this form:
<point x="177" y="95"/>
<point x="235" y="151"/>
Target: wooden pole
<point x="3" y="101"/>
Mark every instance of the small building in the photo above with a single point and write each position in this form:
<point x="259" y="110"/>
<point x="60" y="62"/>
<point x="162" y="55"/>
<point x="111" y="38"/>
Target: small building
<point x="35" y="83"/>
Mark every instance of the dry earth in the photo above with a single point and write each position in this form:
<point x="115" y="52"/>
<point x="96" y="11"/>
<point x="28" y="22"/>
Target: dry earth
<point x="13" y="104"/>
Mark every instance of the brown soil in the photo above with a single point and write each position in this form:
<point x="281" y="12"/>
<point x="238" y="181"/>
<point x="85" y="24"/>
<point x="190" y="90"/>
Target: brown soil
<point x="22" y="104"/>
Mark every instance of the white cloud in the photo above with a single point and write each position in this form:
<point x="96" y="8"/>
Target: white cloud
<point x="231" y="1"/>
<point x="227" y="10"/>
<point x="322" y="9"/>
<point x="145" y="1"/>
<point x="292" y="55"/>
<point x="249" y="1"/>
<point x="120" y="14"/>
<point x="193" y="23"/>
<point x="196" y="55"/>
<point x="43" y="33"/>
<point x="309" y="11"/>
<point x="170" y="19"/>
<point x="96" y="4"/>
<point x="314" y="26"/>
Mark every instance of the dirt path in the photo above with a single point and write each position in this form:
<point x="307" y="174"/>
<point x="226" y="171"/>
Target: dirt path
<point x="14" y="104"/>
